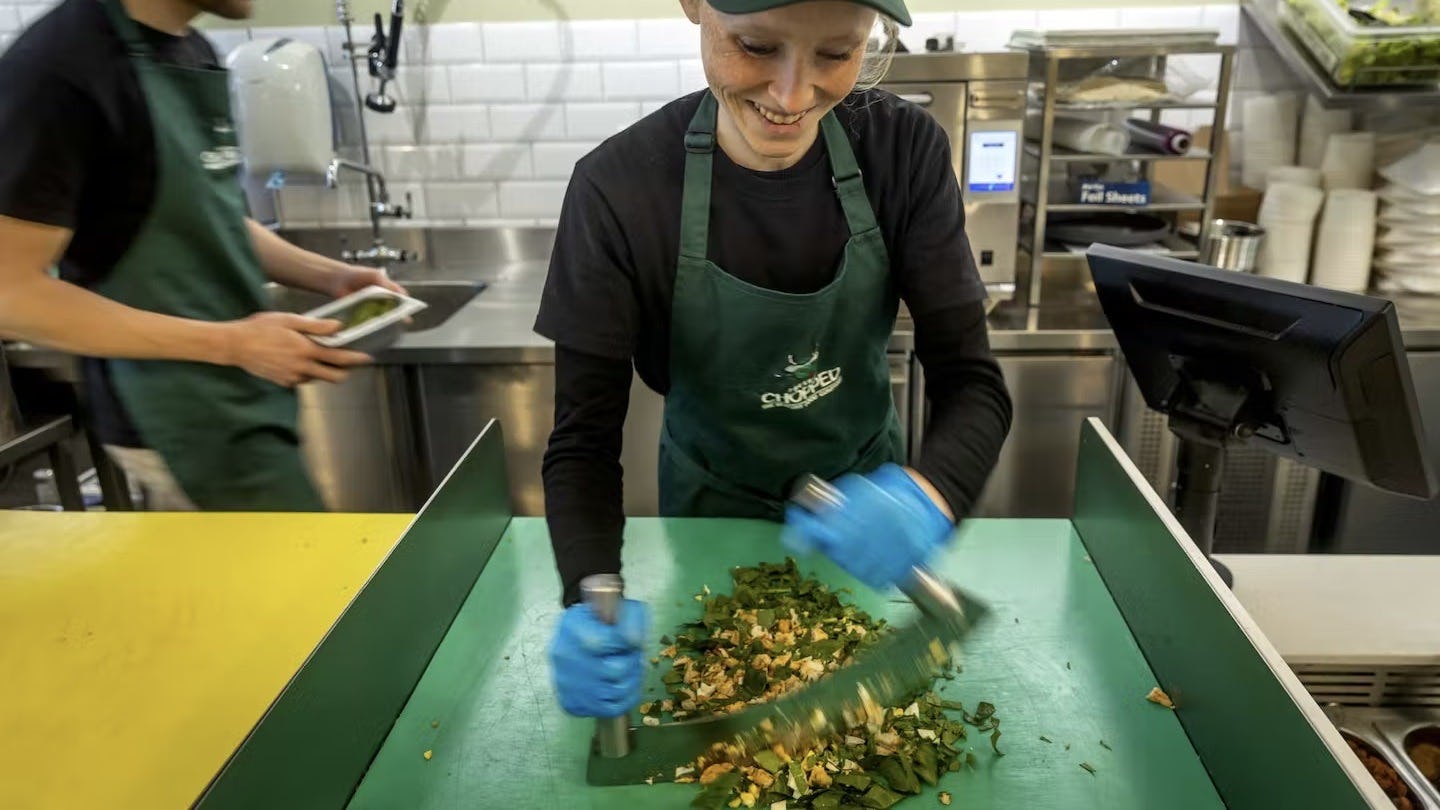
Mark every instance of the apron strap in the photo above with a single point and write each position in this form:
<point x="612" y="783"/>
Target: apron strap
<point x="845" y="174"/>
<point x="129" y="31"/>
<point x="699" y="169"/>
<point x="699" y="164"/>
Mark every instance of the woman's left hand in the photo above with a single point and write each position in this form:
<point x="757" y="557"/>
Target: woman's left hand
<point x="352" y="278"/>
<point x="886" y="525"/>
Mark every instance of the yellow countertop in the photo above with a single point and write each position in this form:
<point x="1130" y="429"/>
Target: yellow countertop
<point x="137" y="650"/>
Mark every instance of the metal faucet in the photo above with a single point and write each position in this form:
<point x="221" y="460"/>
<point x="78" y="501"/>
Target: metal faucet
<point x="379" y="205"/>
<point x="379" y="208"/>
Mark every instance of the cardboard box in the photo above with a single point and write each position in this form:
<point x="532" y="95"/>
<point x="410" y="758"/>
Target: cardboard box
<point x="1232" y="201"/>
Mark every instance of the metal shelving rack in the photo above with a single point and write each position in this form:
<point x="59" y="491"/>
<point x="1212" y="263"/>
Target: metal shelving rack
<point x="1043" y="265"/>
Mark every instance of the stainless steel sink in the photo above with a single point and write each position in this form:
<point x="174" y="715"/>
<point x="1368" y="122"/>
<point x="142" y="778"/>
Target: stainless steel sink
<point x="444" y="297"/>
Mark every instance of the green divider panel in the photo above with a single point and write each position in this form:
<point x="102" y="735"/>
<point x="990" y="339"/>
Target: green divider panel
<point x="1056" y="660"/>
<point x="1258" y="744"/>
<point x="313" y="746"/>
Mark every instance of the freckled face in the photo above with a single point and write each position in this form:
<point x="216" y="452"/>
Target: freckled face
<point x="776" y="73"/>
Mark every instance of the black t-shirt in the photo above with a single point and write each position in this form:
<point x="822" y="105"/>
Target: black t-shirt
<point x="612" y="273"/>
<point x="79" y="150"/>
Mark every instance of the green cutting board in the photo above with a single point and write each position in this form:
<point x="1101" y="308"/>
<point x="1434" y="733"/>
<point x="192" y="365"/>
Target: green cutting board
<point x="1056" y="659"/>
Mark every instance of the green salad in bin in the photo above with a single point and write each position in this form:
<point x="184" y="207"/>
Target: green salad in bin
<point x="366" y="310"/>
<point x="1365" y="43"/>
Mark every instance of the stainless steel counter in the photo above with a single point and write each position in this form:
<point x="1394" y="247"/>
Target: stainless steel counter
<point x="435" y="388"/>
<point x="497" y="326"/>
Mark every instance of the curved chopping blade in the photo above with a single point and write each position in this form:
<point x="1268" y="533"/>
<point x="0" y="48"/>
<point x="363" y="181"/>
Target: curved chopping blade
<point x="905" y="662"/>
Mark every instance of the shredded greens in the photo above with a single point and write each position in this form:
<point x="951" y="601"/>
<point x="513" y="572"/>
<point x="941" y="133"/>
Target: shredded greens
<point x="779" y="631"/>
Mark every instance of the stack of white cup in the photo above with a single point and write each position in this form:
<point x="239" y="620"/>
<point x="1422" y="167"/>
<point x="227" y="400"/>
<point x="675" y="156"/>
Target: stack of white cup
<point x="1296" y="175"/>
<point x="1349" y="160"/>
<point x="1288" y="217"/>
<point x="1317" y="124"/>
<point x="1268" y="139"/>
<point x="1345" y="241"/>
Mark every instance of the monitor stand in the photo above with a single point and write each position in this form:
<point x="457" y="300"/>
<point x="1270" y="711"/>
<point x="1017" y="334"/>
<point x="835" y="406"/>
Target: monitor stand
<point x="1199" y="468"/>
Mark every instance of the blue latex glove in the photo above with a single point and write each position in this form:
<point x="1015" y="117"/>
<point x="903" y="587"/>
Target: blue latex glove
<point x="886" y="526"/>
<point x="597" y="667"/>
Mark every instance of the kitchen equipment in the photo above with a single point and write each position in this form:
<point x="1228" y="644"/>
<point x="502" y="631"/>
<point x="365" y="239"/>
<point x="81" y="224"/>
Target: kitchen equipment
<point x="383" y="56"/>
<point x="1353" y="54"/>
<point x="1268" y="137"/>
<point x="1345" y="241"/>
<point x="1317" y="124"/>
<point x="1123" y="228"/>
<point x="372" y="319"/>
<point x="1232" y="245"/>
<point x="1349" y="160"/>
<point x="1108" y="37"/>
<point x="1288" y="216"/>
<point x="281" y="96"/>
<point x="1145" y="82"/>
<point x="1087" y="135"/>
<point x="979" y="99"/>
<point x="907" y="660"/>
<point x="1158" y="137"/>
<point x="603" y="592"/>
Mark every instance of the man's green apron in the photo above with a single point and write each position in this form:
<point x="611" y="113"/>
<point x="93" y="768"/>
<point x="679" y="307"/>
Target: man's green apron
<point x="229" y="438"/>
<point x="766" y="386"/>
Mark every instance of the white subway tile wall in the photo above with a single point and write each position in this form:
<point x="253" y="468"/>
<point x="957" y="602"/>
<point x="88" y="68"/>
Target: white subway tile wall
<point x="600" y="39"/>
<point x="487" y="83"/>
<point x="493" y="116"/>
<point x="522" y="42"/>
<point x="531" y="199"/>
<point x="596" y="122"/>
<point x="453" y="42"/>
<point x="566" y="81"/>
<point x="527" y="122"/>
<point x="641" y="80"/>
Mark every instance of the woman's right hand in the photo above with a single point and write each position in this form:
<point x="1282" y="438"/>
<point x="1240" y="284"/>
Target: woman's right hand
<point x="274" y="346"/>
<point x="597" y="668"/>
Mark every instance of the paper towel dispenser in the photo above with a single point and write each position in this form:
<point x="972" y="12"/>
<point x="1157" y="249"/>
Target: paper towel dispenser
<point x="281" y="97"/>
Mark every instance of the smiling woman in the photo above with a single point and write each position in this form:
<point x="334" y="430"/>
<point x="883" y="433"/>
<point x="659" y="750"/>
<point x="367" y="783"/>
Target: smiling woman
<point x="745" y="249"/>
<point x="777" y="73"/>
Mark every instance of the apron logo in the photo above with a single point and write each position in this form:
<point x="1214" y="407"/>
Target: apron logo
<point x="221" y="158"/>
<point x="810" y="384"/>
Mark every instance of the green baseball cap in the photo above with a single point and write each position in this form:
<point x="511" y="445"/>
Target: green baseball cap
<point x="894" y="9"/>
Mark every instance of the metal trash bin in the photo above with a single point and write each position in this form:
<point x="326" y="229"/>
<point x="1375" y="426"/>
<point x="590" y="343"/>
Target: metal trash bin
<point x="1232" y="245"/>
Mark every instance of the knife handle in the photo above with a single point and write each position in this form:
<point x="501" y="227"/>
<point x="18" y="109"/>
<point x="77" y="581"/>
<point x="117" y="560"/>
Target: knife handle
<point x="603" y="592"/>
<point x="931" y="594"/>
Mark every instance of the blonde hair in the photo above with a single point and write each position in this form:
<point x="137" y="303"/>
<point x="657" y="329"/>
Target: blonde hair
<point x="877" y="60"/>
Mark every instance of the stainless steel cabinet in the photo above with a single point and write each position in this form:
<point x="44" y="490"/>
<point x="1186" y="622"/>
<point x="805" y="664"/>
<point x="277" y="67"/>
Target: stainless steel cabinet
<point x="358" y="442"/>
<point x="1355" y="518"/>
<point x="457" y="400"/>
<point x="1267" y="503"/>
<point x="1052" y="396"/>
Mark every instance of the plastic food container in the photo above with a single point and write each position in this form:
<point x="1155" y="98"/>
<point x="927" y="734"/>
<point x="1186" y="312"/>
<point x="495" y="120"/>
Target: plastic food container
<point x="371" y="319"/>
<point x="1355" y="54"/>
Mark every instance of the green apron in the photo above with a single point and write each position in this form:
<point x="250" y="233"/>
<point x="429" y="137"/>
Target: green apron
<point x="766" y="386"/>
<point x="229" y="438"/>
